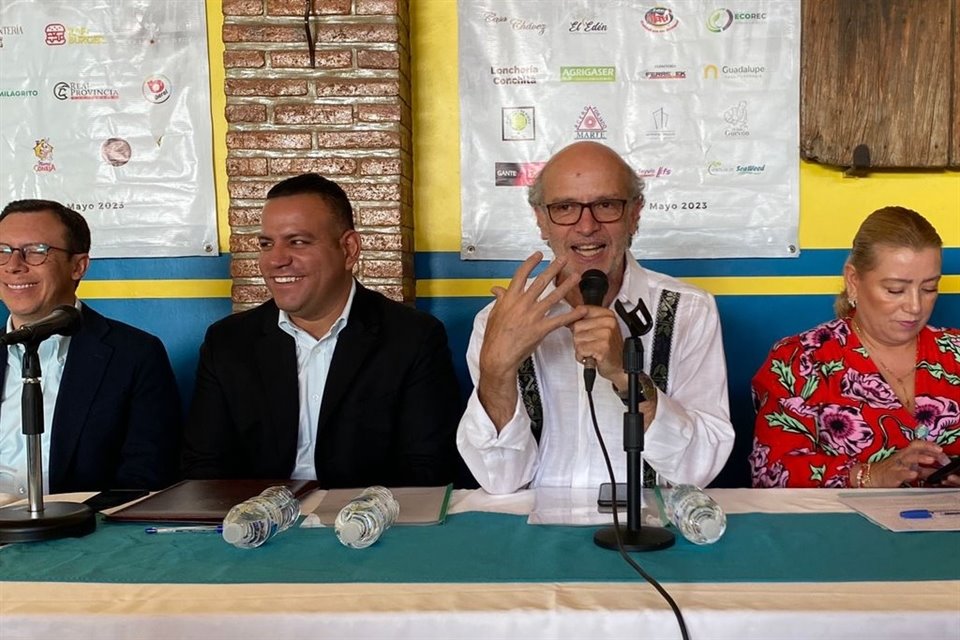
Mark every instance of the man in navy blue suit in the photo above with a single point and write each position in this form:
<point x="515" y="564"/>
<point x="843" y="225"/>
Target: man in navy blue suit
<point x="112" y="413"/>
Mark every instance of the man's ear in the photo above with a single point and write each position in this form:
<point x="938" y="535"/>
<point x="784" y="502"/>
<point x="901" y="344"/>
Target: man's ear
<point x="81" y="262"/>
<point x="350" y="243"/>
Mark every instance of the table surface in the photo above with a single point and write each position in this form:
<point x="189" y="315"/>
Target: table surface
<point x="790" y="559"/>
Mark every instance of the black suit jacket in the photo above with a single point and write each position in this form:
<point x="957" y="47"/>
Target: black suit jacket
<point x="389" y="410"/>
<point x="117" y="421"/>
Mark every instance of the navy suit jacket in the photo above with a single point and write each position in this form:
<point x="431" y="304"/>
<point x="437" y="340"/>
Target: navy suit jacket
<point x="117" y="421"/>
<point x="389" y="410"/>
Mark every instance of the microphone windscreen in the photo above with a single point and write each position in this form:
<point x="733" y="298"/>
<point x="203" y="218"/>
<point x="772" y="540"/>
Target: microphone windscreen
<point x="593" y="286"/>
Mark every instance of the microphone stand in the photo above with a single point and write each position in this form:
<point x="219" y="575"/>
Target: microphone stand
<point x="34" y="521"/>
<point x="635" y="536"/>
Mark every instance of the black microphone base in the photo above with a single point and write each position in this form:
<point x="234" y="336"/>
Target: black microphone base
<point x="58" y="520"/>
<point x="643" y="539"/>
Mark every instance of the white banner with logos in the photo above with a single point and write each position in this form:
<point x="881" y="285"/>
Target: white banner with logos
<point x="105" y="107"/>
<point x="702" y="100"/>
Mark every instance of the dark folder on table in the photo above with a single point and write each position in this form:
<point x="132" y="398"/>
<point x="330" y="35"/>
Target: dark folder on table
<point x="201" y="501"/>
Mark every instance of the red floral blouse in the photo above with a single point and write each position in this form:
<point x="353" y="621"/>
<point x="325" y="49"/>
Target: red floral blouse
<point x="822" y="406"/>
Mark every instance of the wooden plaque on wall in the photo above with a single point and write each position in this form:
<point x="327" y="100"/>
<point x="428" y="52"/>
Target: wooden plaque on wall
<point x="881" y="73"/>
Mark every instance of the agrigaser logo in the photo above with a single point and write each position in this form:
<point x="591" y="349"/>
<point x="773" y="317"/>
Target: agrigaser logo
<point x="588" y="74"/>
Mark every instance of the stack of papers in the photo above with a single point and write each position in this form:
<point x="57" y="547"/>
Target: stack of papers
<point x="909" y="509"/>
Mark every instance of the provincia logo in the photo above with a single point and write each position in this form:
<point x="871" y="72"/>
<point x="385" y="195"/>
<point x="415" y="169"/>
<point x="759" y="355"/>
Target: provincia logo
<point x="83" y="91"/>
<point x="588" y="74"/>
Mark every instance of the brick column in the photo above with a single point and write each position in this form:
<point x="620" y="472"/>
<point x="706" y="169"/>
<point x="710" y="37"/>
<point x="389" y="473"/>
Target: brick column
<point x="348" y="119"/>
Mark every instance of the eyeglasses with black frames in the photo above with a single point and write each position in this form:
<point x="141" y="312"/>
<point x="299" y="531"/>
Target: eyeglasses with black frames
<point x="34" y="254"/>
<point x="569" y="213"/>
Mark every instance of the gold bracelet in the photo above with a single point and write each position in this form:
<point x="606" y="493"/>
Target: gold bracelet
<point x="863" y="475"/>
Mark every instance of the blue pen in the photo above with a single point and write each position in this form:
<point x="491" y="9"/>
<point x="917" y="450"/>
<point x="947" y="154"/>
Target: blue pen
<point x="920" y="514"/>
<point x="186" y="529"/>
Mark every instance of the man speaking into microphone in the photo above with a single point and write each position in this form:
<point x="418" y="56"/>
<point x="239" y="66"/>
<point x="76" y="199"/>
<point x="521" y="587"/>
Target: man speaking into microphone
<point x="528" y="421"/>
<point x="111" y="408"/>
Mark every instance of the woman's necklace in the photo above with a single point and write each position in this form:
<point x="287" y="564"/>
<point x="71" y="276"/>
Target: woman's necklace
<point x="901" y="387"/>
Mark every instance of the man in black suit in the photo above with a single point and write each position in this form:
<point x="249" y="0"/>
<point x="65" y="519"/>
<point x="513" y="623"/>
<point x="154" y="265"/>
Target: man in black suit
<point x="115" y="408"/>
<point x="328" y="380"/>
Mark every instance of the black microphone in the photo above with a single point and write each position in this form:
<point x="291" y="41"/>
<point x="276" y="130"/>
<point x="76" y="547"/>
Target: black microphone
<point x="64" y="320"/>
<point x="593" y="286"/>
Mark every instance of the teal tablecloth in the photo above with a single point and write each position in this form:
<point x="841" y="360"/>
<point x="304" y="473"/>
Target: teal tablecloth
<point x="487" y="547"/>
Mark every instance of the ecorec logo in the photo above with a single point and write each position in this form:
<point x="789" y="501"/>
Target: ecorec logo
<point x="720" y="20"/>
<point x="588" y="74"/>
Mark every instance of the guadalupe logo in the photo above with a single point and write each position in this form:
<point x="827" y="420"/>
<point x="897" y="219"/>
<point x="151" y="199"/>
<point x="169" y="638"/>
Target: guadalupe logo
<point x="518" y="123"/>
<point x="43" y="150"/>
<point x="157" y="88"/>
<point x="659" y="19"/>
<point x="591" y="125"/>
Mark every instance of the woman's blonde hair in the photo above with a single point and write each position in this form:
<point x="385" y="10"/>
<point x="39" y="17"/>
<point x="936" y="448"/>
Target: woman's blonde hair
<point x="890" y="227"/>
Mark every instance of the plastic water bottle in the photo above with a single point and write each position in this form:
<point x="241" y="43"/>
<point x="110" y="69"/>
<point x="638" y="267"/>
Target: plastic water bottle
<point x="361" y="522"/>
<point x="254" y="521"/>
<point x="698" y="517"/>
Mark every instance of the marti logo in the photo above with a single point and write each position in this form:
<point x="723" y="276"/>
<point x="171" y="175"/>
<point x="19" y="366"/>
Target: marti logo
<point x="43" y="150"/>
<point x="591" y="126"/>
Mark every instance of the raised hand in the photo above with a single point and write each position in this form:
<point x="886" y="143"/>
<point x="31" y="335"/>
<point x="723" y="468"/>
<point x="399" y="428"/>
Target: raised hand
<point x="518" y="322"/>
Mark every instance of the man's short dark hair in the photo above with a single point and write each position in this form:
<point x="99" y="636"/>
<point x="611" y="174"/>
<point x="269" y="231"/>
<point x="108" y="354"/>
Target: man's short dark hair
<point x="78" y="231"/>
<point x="316" y="184"/>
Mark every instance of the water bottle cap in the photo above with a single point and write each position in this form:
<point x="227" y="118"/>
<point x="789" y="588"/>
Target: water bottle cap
<point x="350" y="532"/>
<point x="232" y="532"/>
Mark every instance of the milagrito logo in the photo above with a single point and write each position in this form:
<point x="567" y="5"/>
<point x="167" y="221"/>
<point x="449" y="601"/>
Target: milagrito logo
<point x="588" y="74"/>
<point x="519" y="123"/>
<point x="157" y="88"/>
<point x="659" y="19"/>
<point x="591" y="126"/>
<point x="43" y="150"/>
<point x="517" y="174"/>
<point x="83" y="91"/>
<point x="19" y="93"/>
<point x="719" y="20"/>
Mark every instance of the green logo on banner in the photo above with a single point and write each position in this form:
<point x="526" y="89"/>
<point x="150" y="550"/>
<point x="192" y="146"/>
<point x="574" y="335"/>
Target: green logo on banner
<point x="588" y="74"/>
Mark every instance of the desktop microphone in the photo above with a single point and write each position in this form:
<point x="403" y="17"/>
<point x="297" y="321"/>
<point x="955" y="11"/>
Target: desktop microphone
<point x="593" y="286"/>
<point x="64" y="320"/>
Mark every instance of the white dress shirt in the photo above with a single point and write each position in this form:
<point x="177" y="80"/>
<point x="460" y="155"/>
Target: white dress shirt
<point x="313" y="365"/>
<point x="52" y="353"/>
<point x="688" y="441"/>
